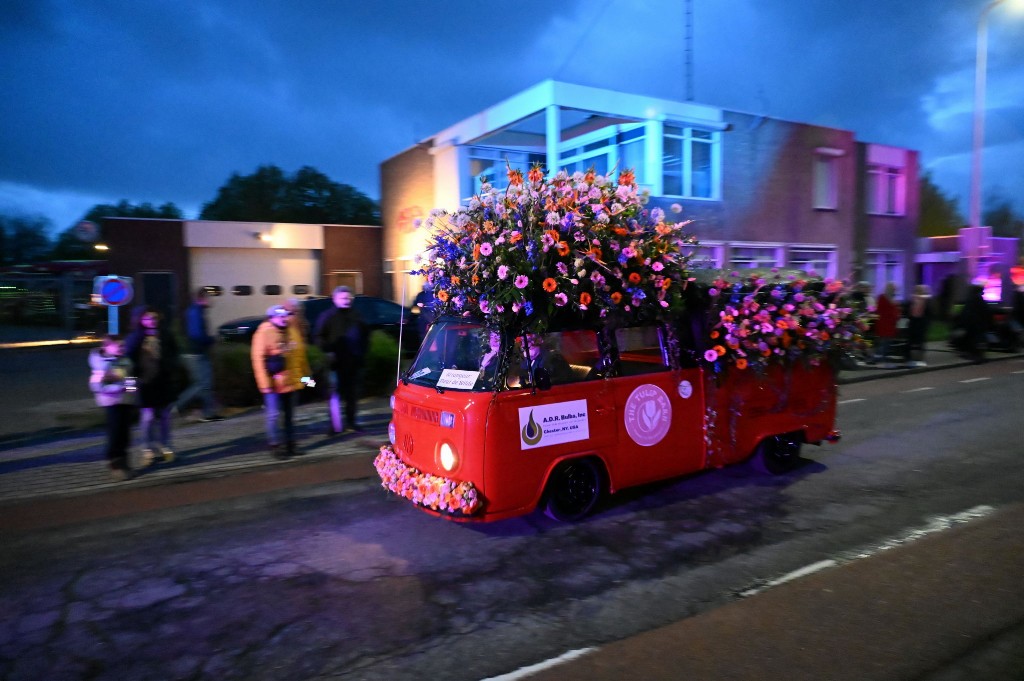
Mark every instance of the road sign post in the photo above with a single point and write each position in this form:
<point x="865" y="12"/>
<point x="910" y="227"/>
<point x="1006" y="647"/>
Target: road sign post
<point x="112" y="291"/>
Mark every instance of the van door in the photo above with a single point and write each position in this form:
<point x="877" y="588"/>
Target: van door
<point x="659" y="410"/>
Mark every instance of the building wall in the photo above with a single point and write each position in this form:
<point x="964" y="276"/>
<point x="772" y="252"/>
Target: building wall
<point x="407" y="195"/>
<point x="354" y="248"/>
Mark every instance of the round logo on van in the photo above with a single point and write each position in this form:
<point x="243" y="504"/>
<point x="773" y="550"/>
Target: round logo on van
<point x="648" y="415"/>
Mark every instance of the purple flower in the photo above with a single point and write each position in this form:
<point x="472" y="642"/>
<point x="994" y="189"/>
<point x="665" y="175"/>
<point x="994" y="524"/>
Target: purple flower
<point x="562" y="268"/>
<point x="486" y="248"/>
<point x="522" y="281"/>
<point x="561" y="299"/>
<point x="502" y="272"/>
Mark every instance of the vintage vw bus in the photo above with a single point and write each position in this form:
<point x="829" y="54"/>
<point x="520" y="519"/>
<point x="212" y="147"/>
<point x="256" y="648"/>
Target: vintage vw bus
<point x="489" y="425"/>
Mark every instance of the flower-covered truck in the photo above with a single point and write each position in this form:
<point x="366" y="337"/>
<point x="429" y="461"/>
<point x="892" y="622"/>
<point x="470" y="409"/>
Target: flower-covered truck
<point x="576" y="354"/>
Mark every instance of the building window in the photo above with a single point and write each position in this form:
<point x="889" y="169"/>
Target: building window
<point x="690" y="162"/>
<point x="817" y="260"/>
<point x="886" y="190"/>
<point x="881" y="267"/>
<point x="707" y="256"/>
<point x="213" y="291"/>
<point x="826" y="181"/>
<point x="301" y="290"/>
<point x="489" y="165"/>
<point x="241" y="291"/>
<point x="609" y="150"/>
<point x="749" y="256"/>
<point x="272" y="290"/>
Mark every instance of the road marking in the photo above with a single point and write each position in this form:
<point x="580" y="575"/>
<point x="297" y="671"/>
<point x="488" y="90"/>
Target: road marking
<point x="936" y="524"/>
<point x="855" y="399"/>
<point x="975" y="380"/>
<point x="790" y="576"/>
<point x="917" y="390"/>
<point x="541" y="666"/>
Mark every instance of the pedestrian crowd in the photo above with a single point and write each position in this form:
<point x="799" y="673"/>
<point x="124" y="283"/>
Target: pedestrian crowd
<point x="140" y="375"/>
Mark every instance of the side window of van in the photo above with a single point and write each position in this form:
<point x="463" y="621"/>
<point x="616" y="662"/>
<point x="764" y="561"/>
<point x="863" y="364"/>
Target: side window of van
<point x="568" y="356"/>
<point x="639" y="351"/>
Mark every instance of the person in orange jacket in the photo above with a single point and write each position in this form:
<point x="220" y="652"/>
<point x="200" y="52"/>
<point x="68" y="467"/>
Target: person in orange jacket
<point x="281" y="368"/>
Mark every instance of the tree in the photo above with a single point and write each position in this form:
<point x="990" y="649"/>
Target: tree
<point x="1000" y="216"/>
<point x="308" y="196"/>
<point x="69" y="247"/>
<point x="23" y="239"/>
<point x="939" y="213"/>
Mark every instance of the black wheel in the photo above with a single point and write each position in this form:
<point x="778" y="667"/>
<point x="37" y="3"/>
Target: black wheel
<point x="573" y="490"/>
<point x="777" y="454"/>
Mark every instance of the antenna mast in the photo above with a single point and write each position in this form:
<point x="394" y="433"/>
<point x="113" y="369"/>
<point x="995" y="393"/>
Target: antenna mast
<point x="688" y="41"/>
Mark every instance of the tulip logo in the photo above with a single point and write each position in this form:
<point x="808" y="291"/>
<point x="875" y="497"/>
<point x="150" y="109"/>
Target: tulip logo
<point x="532" y="433"/>
<point x="648" y="415"/>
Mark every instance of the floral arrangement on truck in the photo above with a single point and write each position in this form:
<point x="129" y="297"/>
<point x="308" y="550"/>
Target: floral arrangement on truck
<point x="581" y="242"/>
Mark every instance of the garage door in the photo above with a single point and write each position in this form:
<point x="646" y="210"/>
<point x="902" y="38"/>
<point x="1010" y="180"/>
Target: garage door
<point x="244" y="276"/>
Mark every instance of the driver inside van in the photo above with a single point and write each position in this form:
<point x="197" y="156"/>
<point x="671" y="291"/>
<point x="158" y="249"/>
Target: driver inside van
<point x="536" y="355"/>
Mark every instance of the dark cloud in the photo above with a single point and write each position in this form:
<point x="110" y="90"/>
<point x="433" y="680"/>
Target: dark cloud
<point x="163" y="101"/>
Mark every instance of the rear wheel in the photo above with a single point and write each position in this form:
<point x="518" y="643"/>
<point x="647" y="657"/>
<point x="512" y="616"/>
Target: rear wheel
<point x="777" y="454"/>
<point x="573" y="490"/>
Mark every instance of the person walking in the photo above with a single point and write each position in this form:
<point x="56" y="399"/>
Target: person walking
<point x="975" y="323"/>
<point x="197" y="359"/>
<point x="112" y="382"/>
<point x="888" y="314"/>
<point x="281" y="368"/>
<point x="342" y="335"/>
<point x="154" y="354"/>
<point x="919" y="313"/>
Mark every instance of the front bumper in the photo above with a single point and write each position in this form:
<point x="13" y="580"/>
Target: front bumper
<point x="432" y="492"/>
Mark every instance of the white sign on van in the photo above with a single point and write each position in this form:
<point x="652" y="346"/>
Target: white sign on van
<point x="458" y="379"/>
<point x="552" y="424"/>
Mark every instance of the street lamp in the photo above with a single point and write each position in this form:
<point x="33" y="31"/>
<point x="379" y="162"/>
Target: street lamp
<point x="979" y="112"/>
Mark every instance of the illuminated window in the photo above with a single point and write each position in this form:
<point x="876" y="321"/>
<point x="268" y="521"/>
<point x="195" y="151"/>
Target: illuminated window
<point x="491" y="165"/>
<point x="886" y="191"/>
<point x="213" y="291"/>
<point x="744" y="256"/>
<point x="819" y="261"/>
<point x="690" y="162"/>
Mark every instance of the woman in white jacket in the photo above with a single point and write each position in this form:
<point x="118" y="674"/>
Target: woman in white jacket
<point x="112" y="382"/>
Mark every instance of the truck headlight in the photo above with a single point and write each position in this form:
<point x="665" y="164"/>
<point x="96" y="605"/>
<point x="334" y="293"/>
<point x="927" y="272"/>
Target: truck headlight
<point x="447" y="457"/>
<point x="391" y="432"/>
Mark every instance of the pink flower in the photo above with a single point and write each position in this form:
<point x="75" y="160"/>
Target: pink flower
<point x="502" y="272"/>
<point x="561" y="299"/>
<point x="486" y="248"/>
<point x="710" y="356"/>
<point x="522" y="281"/>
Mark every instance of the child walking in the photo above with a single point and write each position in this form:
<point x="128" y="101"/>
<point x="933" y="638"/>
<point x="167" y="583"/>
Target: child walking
<point x="112" y="382"/>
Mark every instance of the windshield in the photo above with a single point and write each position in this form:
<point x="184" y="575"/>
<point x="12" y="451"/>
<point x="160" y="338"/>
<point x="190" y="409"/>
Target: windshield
<point x="457" y="355"/>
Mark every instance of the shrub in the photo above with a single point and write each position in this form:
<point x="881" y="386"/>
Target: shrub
<point x="381" y="360"/>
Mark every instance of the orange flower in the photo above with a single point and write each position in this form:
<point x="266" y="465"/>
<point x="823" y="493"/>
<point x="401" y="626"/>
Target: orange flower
<point x="714" y="334"/>
<point x="616" y="297"/>
<point x="550" y="285"/>
<point x="634" y="278"/>
<point x="584" y="298"/>
<point x="553" y="233"/>
<point x="666" y="283"/>
<point x="621" y="231"/>
<point x="475" y="279"/>
<point x="455" y="280"/>
<point x="741" y="363"/>
<point x="442" y="295"/>
<point x="627" y="177"/>
<point x="515" y="177"/>
<point x="535" y="174"/>
<point x="563" y="248"/>
<point x="476" y="251"/>
<point x="515" y="236"/>
<point x="720" y="350"/>
<point x="489" y="227"/>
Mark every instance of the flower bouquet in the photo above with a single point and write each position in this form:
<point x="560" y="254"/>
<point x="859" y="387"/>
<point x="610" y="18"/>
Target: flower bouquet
<point x="577" y="243"/>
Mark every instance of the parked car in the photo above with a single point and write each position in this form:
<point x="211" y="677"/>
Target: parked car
<point x="378" y="313"/>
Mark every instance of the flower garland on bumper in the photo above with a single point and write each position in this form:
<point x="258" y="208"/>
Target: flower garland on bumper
<point x="431" y="491"/>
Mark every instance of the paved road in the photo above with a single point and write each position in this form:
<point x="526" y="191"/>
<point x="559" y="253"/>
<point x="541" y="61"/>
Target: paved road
<point x="78" y="595"/>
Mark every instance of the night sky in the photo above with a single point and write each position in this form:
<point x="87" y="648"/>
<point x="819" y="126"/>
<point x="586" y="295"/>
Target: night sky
<point x="161" y="101"/>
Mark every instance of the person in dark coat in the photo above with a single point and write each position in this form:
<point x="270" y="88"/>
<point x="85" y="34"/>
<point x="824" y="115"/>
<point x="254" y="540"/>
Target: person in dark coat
<point x="197" y="359"/>
<point x="154" y="354"/>
<point x="919" y="311"/>
<point x="975" y="322"/>
<point x="341" y="333"/>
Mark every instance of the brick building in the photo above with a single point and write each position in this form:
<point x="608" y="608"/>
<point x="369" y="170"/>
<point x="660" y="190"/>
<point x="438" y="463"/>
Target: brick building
<point x="762" y="191"/>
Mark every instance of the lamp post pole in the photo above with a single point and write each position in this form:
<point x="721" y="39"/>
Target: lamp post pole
<point x="979" y="112"/>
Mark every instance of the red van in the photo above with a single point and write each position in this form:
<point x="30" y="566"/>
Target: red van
<point x="487" y="425"/>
